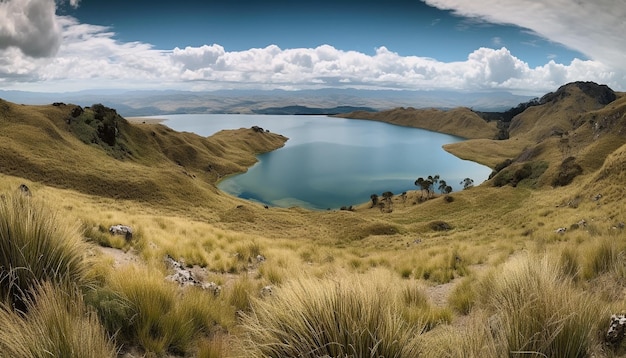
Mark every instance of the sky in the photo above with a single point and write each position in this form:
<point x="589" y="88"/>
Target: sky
<point x="525" y="47"/>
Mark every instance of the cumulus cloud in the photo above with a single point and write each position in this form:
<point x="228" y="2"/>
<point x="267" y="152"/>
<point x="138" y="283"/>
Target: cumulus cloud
<point x="30" y="26"/>
<point x="90" y="56"/>
<point x="564" y="21"/>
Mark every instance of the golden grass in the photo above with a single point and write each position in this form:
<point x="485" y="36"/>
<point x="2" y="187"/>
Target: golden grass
<point x="187" y="218"/>
<point x="36" y="246"/>
<point x="342" y="317"/>
<point x="58" y="324"/>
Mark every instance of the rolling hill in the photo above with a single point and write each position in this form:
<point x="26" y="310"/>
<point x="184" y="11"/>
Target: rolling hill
<point x="553" y="207"/>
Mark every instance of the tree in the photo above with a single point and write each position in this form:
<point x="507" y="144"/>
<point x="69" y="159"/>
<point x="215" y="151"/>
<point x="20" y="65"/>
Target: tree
<point x="433" y="179"/>
<point x="374" y="198"/>
<point x="425" y="185"/>
<point x="442" y="186"/>
<point x="467" y="183"/>
<point x="387" y="196"/>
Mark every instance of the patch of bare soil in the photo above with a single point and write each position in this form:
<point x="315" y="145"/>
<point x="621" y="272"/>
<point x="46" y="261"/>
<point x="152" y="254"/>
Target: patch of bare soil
<point x="120" y="257"/>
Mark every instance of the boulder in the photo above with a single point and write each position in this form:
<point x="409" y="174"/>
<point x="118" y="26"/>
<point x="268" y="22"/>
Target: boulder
<point x="617" y="328"/>
<point x="122" y="230"/>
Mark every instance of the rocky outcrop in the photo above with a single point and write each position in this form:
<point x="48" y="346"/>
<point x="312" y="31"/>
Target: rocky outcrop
<point x="185" y="277"/>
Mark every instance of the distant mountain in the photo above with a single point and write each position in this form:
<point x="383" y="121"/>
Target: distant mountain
<point x="303" y="110"/>
<point x="144" y="103"/>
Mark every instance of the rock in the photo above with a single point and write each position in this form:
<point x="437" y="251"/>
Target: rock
<point x="25" y="190"/>
<point x="212" y="287"/>
<point x="267" y="291"/>
<point x="185" y="277"/>
<point x="615" y="333"/>
<point x="260" y="258"/>
<point x="123" y="230"/>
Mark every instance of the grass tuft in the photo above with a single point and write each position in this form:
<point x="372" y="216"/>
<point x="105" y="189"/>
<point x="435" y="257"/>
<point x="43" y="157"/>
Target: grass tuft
<point x="537" y="309"/>
<point x="36" y="246"/>
<point x="345" y="317"/>
<point x="57" y="324"/>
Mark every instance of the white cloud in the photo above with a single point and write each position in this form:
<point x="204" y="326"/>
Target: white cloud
<point x="30" y="26"/>
<point x="595" y="28"/>
<point x="90" y="57"/>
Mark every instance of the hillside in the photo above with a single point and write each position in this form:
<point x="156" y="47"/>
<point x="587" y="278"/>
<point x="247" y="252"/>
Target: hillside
<point x="537" y="251"/>
<point x="461" y="122"/>
<point x="95" y="151"/>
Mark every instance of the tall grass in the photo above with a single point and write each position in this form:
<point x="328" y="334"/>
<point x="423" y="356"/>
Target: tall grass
<point x="57" y="324"/>
<point x="537" y="311"/>
<point x="36" y="246"/>
<point x="142" y="308"/>
<point x="352" y="316"/>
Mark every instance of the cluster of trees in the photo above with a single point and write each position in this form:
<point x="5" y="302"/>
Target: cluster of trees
<point x="427" y="187"/>
<point x="431" y="182"/>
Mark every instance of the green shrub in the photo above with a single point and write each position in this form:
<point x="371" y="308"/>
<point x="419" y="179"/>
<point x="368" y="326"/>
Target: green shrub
<point x="35" y="246"/>
<point x="351" y="316"/>
<point x="57" y="324"/>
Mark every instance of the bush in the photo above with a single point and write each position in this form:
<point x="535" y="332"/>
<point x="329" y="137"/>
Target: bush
<point x="568" y="170"/>
<point x="439" y="225"/>
<point x="36" y="247"/>
<point x="346" y="317"/>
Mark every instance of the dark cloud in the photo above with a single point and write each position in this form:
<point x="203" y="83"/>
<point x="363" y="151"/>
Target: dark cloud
<point x="31" y="26"/>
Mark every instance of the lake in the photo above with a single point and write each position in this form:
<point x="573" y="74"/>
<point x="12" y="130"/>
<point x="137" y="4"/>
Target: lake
<point x="332" y="162"/>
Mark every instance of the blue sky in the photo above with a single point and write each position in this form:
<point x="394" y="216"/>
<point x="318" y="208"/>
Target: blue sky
<point x="405" y="27"/>
<point x="521" y="46"/>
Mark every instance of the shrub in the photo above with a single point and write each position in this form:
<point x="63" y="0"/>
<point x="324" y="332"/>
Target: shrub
<point x="439" y="225"/>
<point x="346" y="317"/>
<point x="568" y="170"/>
<point x="57" y="324"/>
<point x="35" y="247"/>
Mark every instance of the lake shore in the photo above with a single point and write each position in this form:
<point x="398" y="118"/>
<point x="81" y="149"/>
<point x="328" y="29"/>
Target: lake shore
<point x="145" y="120"/>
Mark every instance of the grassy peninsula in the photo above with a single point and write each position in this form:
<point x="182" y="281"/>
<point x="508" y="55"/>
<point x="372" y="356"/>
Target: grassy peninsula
<point x="529" y="263"/>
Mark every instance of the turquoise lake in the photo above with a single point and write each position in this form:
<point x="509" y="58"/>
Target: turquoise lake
<point x="332" y="162"/>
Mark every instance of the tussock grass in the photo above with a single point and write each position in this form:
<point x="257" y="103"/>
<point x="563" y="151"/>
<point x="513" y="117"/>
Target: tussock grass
<point x="352" y="316"/>
<point x="537" y="310"/>
<point x="142" y="308"/>
<point x="57" y="324"/>
<point x="36" y="246"/>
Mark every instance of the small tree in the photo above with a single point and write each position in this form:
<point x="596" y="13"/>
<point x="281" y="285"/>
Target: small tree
<point x="442" y="186"/>
<point x="467" y="183"/>
<point x="425" y="185"/>
<point x="387" y="196"/>
<point x="374" y="198"/>
<point x="433" y="179"/>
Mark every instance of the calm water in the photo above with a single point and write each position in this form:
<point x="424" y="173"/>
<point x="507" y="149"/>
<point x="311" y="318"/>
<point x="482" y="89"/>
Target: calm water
<point x="331" y="162"/>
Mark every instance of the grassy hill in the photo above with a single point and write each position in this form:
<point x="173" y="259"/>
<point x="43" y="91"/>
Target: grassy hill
<point x="481" y="272"/>
<point x="461" y="122"/>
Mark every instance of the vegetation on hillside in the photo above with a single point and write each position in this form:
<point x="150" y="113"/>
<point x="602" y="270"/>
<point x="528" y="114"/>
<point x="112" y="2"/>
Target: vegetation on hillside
<point x="530" y="263"/>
